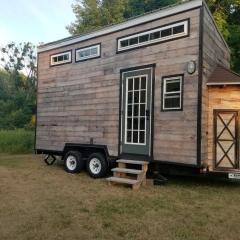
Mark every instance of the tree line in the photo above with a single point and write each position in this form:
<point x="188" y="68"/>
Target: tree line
<point x="17" y="86"/>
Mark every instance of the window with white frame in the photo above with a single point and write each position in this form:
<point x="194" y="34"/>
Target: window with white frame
<point x="172" y="93"/>
<point x="61" y="58"/>
<point x="160" y="34"/>
<point x="88" y="52"/>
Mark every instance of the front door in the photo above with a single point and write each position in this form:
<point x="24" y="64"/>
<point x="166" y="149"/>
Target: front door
<point x="136" y="112"/>
<point x="226" y="139"/>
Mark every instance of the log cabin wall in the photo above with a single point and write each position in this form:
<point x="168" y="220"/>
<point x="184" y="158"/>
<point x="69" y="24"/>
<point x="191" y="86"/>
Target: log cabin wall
<point x="215" y="51"/>
<point x="79" y="101"/>
<point x="226" y="98"/>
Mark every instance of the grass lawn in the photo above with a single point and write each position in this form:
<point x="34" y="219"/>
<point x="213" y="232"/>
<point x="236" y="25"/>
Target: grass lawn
<point x="44" y="202"/>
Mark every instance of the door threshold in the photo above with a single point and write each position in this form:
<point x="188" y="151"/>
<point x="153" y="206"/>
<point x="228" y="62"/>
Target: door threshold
<point x="135" y="157"/>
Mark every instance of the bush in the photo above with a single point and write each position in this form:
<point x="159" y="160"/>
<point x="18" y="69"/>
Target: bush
<point x="16" y="141"/>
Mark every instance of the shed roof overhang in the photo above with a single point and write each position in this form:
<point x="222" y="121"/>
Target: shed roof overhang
<point x="223" y="76"/>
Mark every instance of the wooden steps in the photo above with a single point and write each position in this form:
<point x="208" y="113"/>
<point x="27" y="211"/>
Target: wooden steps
<point x="127" y="170"/>
<point x="124" y="174"/>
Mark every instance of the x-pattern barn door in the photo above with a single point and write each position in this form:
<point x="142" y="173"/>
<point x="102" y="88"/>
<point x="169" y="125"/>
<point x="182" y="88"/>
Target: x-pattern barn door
<point x="226" y="139"/>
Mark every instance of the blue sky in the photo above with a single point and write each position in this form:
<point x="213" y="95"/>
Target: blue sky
<point x="34" y="20"/>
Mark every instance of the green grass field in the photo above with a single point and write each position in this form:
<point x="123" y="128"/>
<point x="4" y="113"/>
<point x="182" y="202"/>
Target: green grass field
<point x="18" y="141"/>
<point x="40" y="202"/>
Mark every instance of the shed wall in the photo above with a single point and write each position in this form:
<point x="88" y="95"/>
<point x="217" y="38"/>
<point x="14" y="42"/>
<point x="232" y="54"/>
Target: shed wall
<point x="227" y="98"/>
<point x="80" y="101"/>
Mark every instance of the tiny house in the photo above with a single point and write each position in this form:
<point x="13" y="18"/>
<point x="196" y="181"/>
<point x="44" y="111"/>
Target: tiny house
<point x="155" y="88"/>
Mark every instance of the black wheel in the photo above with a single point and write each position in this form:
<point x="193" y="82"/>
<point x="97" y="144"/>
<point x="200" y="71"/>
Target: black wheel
<point x="97" y="165"/>
<point x="73" y="162"/>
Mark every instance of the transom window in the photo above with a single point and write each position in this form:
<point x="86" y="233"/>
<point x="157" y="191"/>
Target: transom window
<point x="153" y="36"/>
<point x="136" y="104"/>
<point x="61" y="58"/>
<point x="172" y="93"/>
<point x="88" y="52"/>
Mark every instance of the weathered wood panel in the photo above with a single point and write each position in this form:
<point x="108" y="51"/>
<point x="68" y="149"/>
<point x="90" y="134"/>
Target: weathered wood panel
<point x="80" y="101"/>
<point x="214" y="52"/>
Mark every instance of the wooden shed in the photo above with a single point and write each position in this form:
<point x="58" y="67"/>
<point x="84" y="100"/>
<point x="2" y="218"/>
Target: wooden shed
<point x="223" y="120"/>
<point x="144" y="89"/>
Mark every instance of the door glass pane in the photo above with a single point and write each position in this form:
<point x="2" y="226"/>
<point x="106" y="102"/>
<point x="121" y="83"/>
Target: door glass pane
<point x="136" y="83"/>
<point x="136" y="96"/>
<point x="129" y="110"/>
<point x="136" y="109"/>
<point x="135" y="124"/>
<point x="142" y="123"/>
<point x="129" y="123"/>
<point x="135" y="137"/>
<point x="130" y="96"/>
<point x="142" y="110"/>
<point x="143" y="83"/>
<point x="143" y="96"/>
<point x="130" y="84"/>
<point x="129" y="136"/>
<point x="142" y="137"/>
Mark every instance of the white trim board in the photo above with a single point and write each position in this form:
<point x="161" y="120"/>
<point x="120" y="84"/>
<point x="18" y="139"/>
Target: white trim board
<point x="129" y="23"/>
<point x="223" y="83"/>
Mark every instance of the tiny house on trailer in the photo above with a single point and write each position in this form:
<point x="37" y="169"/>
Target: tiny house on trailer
<point x="156" y="88"/>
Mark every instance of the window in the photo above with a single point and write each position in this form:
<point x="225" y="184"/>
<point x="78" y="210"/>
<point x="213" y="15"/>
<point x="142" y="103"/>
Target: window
<point x="172" y="93"/>
<point x="156" y="35"/>
<point x="88" y="53"/>
<point x="61" y="58"/>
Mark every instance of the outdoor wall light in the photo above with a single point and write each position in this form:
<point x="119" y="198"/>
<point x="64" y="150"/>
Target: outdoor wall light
<point x="191" y="67"/>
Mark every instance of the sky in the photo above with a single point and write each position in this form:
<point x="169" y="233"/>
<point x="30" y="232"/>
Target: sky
<point x="36" y="21"/>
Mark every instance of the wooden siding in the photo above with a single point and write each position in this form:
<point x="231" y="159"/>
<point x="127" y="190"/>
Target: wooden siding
<point x="227" y="97"/>
<point x="214" y="52"/>
<point x="80" y="101"/>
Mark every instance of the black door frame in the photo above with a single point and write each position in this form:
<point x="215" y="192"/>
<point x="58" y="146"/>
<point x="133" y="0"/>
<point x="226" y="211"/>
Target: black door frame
<point x="237" y="150"/>
<point x="149" y="157"/>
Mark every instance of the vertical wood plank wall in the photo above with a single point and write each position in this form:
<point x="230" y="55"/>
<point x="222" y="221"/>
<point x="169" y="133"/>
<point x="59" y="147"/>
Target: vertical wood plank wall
<point x="227" y="97"/>
<point x="214" y="52"/>
<point x="80" y="101"/>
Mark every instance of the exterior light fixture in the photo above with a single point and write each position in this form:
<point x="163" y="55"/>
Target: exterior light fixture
<point x="191" y="67"/>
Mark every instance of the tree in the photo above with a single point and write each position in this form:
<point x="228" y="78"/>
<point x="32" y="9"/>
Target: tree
<point x="17" y="85"/>
<point x="227" y="16"/>
<point x="92" y="14"/>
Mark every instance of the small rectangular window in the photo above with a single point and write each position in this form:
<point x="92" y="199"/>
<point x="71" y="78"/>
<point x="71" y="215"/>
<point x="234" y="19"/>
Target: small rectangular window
<point x="172" y="93"/>
<point x="61" y="58"/>
<point x="88" y="52"/>
<point x="167" y="32"/>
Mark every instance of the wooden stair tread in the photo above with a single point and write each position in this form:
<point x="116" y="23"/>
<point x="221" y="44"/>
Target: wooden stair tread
<point x="132" y="162"/>
<point x="127" y="170"/>
<point x="122" y="180"/>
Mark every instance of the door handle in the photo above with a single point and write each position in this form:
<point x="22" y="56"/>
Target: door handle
<point x="148" y="114"/>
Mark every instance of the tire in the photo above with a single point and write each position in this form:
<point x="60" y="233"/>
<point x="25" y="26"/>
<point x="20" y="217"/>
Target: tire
<point x="73" y="162"/>
<point x="97" y="165"/>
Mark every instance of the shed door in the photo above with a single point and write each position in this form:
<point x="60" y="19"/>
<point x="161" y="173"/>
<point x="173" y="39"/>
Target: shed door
<point x="226" y="139"/>
<point x="136" y="111"/>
